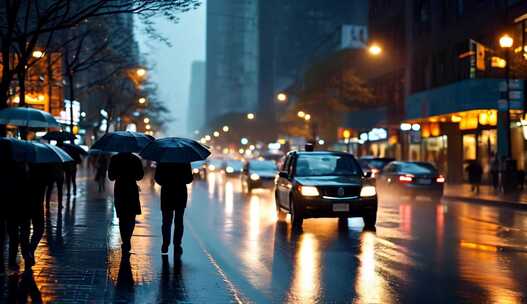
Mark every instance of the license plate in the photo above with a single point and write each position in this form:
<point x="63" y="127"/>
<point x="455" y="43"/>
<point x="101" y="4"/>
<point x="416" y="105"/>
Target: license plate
<point x="341" y="207"/>
<point x="424" y="181"/>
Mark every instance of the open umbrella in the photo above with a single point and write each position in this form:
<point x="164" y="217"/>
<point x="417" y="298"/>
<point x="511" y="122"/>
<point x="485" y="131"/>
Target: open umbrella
<point x="123" y="141"/>
<point x="74" y="151"/>
<point x="12" y="149"/>
<point x="27" y="117"/>
<point x="49" y="154"/>
<point x="175" y="150"/>
<point x="59" y="136"/>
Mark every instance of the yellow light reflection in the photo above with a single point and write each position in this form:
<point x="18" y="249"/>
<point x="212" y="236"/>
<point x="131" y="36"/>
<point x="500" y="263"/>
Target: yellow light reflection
<point x="229" y="198"/>
<point x="306" y="277"/>
<point x="370" y="285"/>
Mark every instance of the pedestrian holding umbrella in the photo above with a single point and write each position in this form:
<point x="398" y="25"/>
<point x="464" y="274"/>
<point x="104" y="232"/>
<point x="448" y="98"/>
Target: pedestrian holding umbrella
<point x="60" y="136"/>
<point x="173" y="173"/>
<point x="126" y="169"/>
<point x="70" y="169"/>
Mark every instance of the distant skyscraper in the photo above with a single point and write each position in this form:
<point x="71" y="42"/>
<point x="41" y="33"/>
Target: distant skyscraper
<point x="232" y="57"/>
<point x="196" y="103"/>
<point x="292" y="33"/>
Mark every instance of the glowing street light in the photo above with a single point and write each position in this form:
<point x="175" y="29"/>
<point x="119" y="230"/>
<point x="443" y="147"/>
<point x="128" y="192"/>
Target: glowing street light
<point x="506" y="41"/>
<point x="375" y="49"/>
<point x="207" y="137"/>
<point x="141" y="72"/>
<point x="282" y="97"/>
<point x="244" y="141"/>
<point x="225" y="129"/>
<point x="250" y="116"/>
<point x="146" y="120"/>
<point x="38" y="54"/>
<point x="148" y="127"/>
<point x="301" y="114"/>
<point x="307" y="117"/>
<point x="216" y="134"/>
<point x="142" y="100"/>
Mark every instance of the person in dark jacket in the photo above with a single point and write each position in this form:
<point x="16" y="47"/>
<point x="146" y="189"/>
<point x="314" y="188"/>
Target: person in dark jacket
<point x="475" y="171"/>
<point x="126" y="169"/>
<point x="173" y="179"/>
<point x="56" y="177"/>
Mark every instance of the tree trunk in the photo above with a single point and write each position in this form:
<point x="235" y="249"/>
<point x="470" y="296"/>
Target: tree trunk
<point x="72" y="98"/>
<point x="21" y="75"/>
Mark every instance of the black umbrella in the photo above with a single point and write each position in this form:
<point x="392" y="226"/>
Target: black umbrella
<point x="74" y="151"/>
<point x="12" y="149"/>
<point x="60" y="136"/>
<point x="123" y="141"/>
<point x="175" y="150"/>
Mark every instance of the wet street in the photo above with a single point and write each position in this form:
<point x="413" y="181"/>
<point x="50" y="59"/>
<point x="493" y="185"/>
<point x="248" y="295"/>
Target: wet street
<point x="235" y="251"/>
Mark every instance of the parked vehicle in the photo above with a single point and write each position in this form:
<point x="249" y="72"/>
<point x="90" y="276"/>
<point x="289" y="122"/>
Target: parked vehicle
<point x="412" y="179"/>
<point x="259" y="174"/>
<point x="374" y="164"/>
<point x="324" y="184"/>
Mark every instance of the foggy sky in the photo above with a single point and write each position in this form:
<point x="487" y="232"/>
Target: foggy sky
<point x="171" y="70"/>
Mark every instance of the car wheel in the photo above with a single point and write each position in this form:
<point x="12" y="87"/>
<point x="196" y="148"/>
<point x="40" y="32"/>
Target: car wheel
<point x="296" y="218"/>
<point x="370" y="219"/>
<point x="280" y="214"/>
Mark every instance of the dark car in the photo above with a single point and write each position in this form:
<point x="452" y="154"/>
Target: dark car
<point x="324" y="184"/>
<point x="233" y="167"/>
<point x="374" y="164"/>
<point x="259" y="174"/>
<point x="411" y="179"/>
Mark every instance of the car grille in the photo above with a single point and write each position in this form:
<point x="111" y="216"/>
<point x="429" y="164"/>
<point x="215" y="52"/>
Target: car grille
<point x="333" y="191"/>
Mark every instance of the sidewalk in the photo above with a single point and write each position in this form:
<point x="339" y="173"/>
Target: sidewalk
<point x="487" y="195"/>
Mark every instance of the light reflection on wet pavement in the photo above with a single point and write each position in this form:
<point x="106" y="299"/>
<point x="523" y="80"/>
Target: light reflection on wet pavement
<point x="235" y="251"/>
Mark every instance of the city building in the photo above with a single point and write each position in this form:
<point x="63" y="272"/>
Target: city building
<point x="232" y="58"/>
<point x="196" y="103"/>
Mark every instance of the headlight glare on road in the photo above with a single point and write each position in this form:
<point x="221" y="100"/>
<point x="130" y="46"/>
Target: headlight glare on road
<point x="255" y="177"/>
<point x="368" y="191"/>
<point x="308" y="190"/>
<point x="229" y="170"/>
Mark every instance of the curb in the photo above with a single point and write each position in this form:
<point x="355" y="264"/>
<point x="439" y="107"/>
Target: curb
<point x="509" y="204"/>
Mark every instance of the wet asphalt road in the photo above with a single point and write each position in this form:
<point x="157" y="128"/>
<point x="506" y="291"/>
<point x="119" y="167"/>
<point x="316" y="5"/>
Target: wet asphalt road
<point x="235" y="251"/>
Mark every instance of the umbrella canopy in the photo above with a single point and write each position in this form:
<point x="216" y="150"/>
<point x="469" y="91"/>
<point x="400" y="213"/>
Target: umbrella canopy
<point x="49" y="154"/>
<point x="74" y="151"/>
<point x="123" y="141"/>
<point x="24" y="151"/>
<point x="60" y="136"/>
<point x="12" y="149"/>
<point x="175" y="150"/>
<point x="27" y="117"/>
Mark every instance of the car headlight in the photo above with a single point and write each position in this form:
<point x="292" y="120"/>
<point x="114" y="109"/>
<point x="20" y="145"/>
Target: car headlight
<point x="212" y="167"/>
<point x="229" y="170"/>
<point x="308" y="190"/>
<point x="368" y="191"/>
<point x="195" y="171"/>
<point x="255" y="177"/>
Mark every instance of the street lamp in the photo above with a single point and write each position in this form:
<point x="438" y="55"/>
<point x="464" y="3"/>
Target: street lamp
<point x="506" y="43"/>
<point x="141" y="72"/>
<point x="307" y="117"/>
<point x="146" y="120"/>
<point x="142" y="100"/>
<point x="216" y="134"/>
<point x="301" y="114"/>
<point x="225" y="129"/>
<point x="281" y="97"/>
<point x="250" y="116"/>
<point x="375" y="49"/>
<point x="148" y="127"/>
<point x="38" y="54"/>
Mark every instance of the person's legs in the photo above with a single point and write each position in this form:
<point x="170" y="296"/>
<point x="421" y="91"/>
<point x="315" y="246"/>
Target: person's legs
<point x="60" y="185"/>
<point x="67" y="175"/>
<point x="166" y="228"/>
<point x="13" y="232"/>
<point x="126" y="228"/>
<point x="49" y="190"/>
<point x="25" y="230"/>
<point x="37" y="220"/>
<point x="178" y="230"/>
<point x="74" y="180"/>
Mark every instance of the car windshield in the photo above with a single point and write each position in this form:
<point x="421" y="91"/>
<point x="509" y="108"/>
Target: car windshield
<point x="379" y="163"/>
<point x="262" y="165"/>
<point x="417" y="168"/>
<point x="327" y="165"/>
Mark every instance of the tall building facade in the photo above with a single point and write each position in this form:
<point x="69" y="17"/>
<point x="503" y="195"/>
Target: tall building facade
<point x="293" y="33"/>
<point x="196" y="102"/>
<point x="232" y="53"/>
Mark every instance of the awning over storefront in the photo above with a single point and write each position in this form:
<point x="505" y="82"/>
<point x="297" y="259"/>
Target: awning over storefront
<point x="469" y="94"/>
<point x="366" y="119"/>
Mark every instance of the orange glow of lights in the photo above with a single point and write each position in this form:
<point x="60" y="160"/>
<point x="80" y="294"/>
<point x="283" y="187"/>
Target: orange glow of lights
<point x="471" y="245"/>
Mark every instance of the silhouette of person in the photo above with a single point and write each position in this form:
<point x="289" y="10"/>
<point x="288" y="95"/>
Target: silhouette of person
<point x="70" y="169"/>
<point x="475" y="172"/>
<point x="39" y="177"/>
<point x="126" y="169"/>
<point x="56" y="177"/>
<point x="173" y="179"/>
<point x="101" y="167"/>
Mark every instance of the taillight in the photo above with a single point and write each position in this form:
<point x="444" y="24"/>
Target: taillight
<point x="440" y="179"/>
<point x="407" y="178"/>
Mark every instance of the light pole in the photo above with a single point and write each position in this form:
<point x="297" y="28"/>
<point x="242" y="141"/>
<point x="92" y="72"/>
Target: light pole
<point x="506" y="43"/>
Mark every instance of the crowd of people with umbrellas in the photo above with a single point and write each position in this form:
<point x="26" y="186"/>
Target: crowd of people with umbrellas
<point x="31" y="169"/>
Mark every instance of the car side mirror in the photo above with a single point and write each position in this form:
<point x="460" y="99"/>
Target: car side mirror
<point x="367" y="174"/>
<point x="283" y="174"/>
